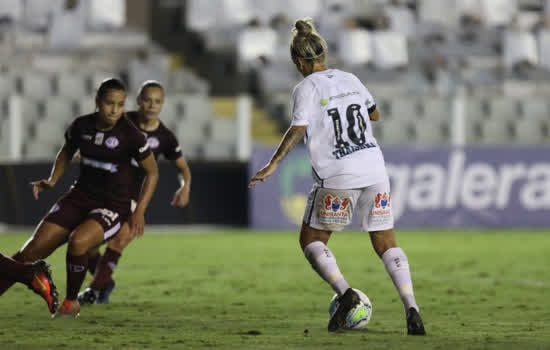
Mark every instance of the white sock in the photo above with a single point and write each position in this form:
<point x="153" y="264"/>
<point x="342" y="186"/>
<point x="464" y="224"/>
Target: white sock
<point x="323" y="262"/>
<point x="397" y="266"/>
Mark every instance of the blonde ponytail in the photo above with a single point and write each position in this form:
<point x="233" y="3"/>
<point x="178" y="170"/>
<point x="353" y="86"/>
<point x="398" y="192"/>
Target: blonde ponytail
<point x="307" y="43"/>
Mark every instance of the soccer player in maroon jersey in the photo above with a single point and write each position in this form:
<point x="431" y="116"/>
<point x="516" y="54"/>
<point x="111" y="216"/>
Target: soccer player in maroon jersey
<point x="36" y="276"/>
<point x="95" y="208"/>
<point x="161" y="141"/>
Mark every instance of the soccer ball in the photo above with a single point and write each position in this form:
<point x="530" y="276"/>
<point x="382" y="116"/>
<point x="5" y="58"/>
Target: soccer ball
<point x="359" y="316"/>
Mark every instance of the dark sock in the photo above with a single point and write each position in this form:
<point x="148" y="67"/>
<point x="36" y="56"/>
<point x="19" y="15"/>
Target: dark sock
<point x="92" y="262"/>
<point x="76" y="271"/>
<point x="6" y="284"/>
<point x="105" y="268"/>
<point x="15" y="271"/>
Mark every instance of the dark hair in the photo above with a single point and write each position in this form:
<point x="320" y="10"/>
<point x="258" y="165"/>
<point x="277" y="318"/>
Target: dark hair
<point x="148" y="84"/>
<point x="109" y="84"/>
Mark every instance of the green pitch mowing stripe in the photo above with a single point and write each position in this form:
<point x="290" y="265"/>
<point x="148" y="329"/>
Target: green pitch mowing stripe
<point x="242" y="290"/>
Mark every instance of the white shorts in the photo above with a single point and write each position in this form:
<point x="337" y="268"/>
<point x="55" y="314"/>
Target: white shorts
<point x="332" y="210"/>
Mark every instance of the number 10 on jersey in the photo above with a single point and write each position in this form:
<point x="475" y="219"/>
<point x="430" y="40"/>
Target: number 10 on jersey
<point x="354" y="116"/>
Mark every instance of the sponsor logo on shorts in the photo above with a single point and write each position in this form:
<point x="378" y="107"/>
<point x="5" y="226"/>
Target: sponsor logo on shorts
<point x="381" y="204"/>
<point x="335" y="210"/>
<point x="111" y="142"/>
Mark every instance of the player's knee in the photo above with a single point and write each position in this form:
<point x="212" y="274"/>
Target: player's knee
<point x="119" y="243"/>
<point x="78" y="245"/>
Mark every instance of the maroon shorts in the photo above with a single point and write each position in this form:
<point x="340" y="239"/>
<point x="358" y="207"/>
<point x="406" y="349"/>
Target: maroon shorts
<point x="75" y="207"/>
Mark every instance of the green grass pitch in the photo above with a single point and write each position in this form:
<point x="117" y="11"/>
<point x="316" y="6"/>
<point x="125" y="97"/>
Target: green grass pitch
<point x="250" y="290"/>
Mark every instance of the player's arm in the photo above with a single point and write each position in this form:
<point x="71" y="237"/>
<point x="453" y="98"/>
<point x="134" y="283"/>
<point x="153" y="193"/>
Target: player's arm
<point x="62" y="162"/>
<point x="137" y="220"/>
<point x="292" y="137"/>
<point x="181" y="197"/>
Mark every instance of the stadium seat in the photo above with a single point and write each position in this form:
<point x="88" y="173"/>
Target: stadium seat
<point x="59" y="109"/>
<point x="390" y="50"/>
<point x="503" y="108"/>
<point x="532" y="132"/>
<point x="432" y="132"/>
<point x="219" y="151"/>
<point x="497" y="132"/>
<point x="196" y="107"/>
<point x="36" y="84"/>
<point x="71" y="84"/>
<point x="404" y="108"/>
<point x="397" y="132"/>
<point x="436" y="108"/>
<point x="7" y="84"/>
<point x="50" y="130"/>
<point x="222" y="131"/>
<point x="191" y="132"/>
<point x="86" y="105"/>
<point x="535" y="108"/>
<point x="37" y="150"/>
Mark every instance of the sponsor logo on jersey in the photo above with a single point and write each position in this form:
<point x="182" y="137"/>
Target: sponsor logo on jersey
<point x="111" y="142"/>
<point x="110" y="167"/>
<point x="153" y="142"/>
<point x="99" y="138"/>
<point x="343" y="95"/>
<point x="87" y="137"/>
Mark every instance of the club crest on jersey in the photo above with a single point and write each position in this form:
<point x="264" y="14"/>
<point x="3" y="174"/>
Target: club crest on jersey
<point x="153" y="142"/>
<point x="111" y="142"/>
<point x="99" y="138"/>
<point x="335" y="211"/>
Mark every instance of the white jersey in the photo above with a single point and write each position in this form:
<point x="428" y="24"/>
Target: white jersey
<point x="335" y="105"/>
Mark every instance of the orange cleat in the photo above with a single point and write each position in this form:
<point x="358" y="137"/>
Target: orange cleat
<point x="69" y="308"/>
<point x="42" y="284"/>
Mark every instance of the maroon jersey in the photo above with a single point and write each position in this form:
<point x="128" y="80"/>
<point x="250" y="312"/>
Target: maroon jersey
<point x="160" y="141"/>
<point x="105" y="166"/>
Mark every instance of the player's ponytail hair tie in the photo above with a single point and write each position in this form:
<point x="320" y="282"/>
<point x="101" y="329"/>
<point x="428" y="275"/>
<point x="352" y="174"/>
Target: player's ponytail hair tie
<point x="307" y="43"/>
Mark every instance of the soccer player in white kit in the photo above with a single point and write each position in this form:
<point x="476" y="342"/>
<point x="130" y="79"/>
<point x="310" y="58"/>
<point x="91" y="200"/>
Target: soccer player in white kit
<point x="330" y="109"/>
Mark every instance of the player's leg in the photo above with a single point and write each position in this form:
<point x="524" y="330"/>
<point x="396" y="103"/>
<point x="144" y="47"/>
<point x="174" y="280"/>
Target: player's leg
<point x="85" y="237"/>
<point x="93" y="260"/>
<point x="103" y="284"/>
<point x="328" y="210"/>
<point x="314" y="245"/>
<point x="45" y="239"/>
<point x="36" y="276"/>
<point x="375" y="202"/>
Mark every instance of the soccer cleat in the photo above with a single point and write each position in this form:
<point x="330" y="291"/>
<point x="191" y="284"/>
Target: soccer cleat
<point x="42" y="284"/>
<point x="104" y="294"/>
<point x="346" y="302"/>
<point x="88" y="296"/>
<point x="68" y="309"/>
<point x="414" y="323"/>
